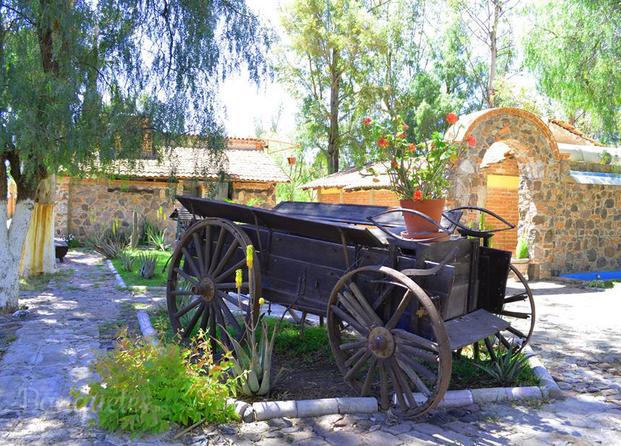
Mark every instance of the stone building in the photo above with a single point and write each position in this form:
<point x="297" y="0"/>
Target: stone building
<point x="148" y="186"/>
<point x="548" y="178"/>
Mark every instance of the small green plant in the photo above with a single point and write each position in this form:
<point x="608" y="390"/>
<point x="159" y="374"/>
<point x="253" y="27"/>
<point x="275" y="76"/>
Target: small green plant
<point x="598" y="282"/>
<point x="521" y="251"/>
<point x="148" y="263"/>
<point x="252" y="362"/>
<point x="128" y="261"/>
<point x="155" y="232"/>
<point x="110" y="242"/>
<point x="143" y="388"/>
<point x="507" y="367"/>
<point x="156" y="237"/>
<point x="605" y="157"/>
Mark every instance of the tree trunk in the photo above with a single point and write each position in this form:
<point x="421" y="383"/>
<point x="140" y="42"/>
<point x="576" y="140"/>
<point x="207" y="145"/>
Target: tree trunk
<point x="333" y="132"/>
<point x="38" y="253"/>
<point x="11" y="242"/>
<point x="493" y="36"/>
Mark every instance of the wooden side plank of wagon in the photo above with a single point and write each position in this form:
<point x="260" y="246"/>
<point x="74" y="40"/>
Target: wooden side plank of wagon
<point x="305" y="227"/>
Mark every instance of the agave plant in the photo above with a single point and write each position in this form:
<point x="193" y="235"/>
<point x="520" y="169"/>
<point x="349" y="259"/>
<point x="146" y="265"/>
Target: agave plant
<point x="128" y="261"/>
<point x="507" y="367"/>
<point x="148" y="262"/>
<point x="110" y="242"/>
<point x="252" y="362"/>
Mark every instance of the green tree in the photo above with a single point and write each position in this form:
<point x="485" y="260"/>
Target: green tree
<point x="574" y="50"/>
<point x="488" y="27"/>
<point x="329" y="40"/>
<point x="82" y="84"/>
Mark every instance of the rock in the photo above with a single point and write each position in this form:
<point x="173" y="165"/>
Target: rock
<point x="21" y="314"/>
<point x="280" y="423"/>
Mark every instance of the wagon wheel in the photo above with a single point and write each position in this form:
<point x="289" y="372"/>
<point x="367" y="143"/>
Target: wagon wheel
<point x="519" y="310"/>
<point x="368" y="313"/>
<point x="201" y="290"/>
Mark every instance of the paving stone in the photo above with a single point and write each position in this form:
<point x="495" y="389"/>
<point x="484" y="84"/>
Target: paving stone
<point x="343" y="438"/>
<point x="399" y="428"/>
<point x="380" y="437"/>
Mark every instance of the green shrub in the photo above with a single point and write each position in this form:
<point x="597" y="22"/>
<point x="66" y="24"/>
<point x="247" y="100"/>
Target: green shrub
<point x="110" y="242"/>
<point x="148" y="263"/>
<point x="144" y="388"/>
<point x="521" y="251"/>
<point x="507" y="368"/>
<point x="156" y="237"/>
<point x="128" y="261"/>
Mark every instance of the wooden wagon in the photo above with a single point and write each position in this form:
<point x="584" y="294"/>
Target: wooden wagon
<point x="396" y="308"/>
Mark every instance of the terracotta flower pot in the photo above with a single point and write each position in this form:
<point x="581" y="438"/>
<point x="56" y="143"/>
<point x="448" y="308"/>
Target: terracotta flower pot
<point x="418" y="227"/>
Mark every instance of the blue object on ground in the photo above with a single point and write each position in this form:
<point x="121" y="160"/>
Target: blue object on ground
<point x="601" y="275"/>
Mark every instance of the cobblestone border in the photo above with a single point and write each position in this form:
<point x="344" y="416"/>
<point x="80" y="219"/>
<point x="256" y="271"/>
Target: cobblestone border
<point x="266" y="410"/>
<point x="119" y="280"/>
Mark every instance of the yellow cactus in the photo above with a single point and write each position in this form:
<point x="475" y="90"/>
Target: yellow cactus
<point x="249" y="256"/>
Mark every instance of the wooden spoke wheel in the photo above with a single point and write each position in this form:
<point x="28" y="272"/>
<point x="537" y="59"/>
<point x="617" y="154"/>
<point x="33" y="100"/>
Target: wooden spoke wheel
<point x="389" y="340"/>
<point x="201" y="291"/>
<point x="519" y="310"/>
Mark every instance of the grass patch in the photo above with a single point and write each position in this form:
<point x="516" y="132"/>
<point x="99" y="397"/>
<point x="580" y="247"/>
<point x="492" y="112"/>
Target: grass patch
<point x="133" y="278"/>
<point x="41" y="281"/>
<point x="290" y="342"/>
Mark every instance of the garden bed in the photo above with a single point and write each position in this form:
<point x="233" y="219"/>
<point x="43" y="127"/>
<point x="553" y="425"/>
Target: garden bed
<point x="308" y="371"/>
<point x="133" y="278"/>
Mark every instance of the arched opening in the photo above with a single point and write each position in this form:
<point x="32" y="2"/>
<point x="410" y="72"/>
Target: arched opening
<point x="512" y="143"/>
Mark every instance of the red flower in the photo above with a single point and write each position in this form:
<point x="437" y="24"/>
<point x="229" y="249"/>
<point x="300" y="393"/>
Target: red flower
<point x="418" y="195"/>
<point x="367" y="121"/>
<point x="411" y="148"/>
<point x="394" y="164"/>
<point x="401" y="135"/>
<point x="382" y="142"/>
<point x="471" y="141"/>
<point x="452" y="118"/>
<point x="405" y="126"/>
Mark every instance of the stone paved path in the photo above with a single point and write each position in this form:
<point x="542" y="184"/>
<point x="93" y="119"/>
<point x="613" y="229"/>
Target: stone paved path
<point x="578" y="335"/>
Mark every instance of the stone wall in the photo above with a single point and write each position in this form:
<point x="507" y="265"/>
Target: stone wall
<point x="85" y="206"/>
<point x="587" y="234"/>
<point x="568" y="226"/>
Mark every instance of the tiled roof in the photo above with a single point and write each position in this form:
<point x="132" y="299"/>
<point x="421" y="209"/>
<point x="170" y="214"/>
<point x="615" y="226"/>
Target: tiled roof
<point x="244" y="160"/>
<point x="372" y="176"/>
<point x="577" y="136"/>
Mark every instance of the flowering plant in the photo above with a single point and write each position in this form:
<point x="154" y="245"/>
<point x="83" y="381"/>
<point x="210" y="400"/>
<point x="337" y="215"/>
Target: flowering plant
<point x="416" y="171"/>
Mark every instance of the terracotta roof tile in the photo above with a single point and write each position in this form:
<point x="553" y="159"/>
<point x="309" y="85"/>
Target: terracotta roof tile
<point x="371" y="176"/>
<point x="245" y="160"/>
<point x="571" y="129"/>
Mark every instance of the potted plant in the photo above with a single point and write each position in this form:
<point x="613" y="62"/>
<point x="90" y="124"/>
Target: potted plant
<point x="521" y="259"/>
<point x="419" y="173"/>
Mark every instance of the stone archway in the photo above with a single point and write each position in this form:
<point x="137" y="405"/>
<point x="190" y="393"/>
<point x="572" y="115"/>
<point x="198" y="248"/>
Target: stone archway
<point x="516" y="133"/>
